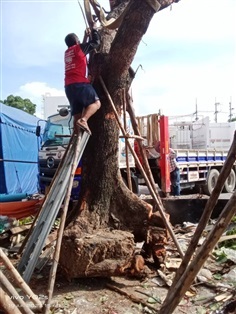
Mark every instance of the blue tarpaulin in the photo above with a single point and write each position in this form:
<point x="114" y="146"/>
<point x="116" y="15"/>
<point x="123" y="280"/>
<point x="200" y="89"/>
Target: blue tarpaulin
<point x="18" y="151"/>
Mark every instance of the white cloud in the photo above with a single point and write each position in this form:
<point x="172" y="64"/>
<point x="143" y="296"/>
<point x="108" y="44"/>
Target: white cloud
<point x="188" y="53"/>
<point x="175" y="89"/>
<point x="188" y="57"/>
<point x="35" y="92"/>
<point x="37" y="30"/>
<point x="195" y="20"/>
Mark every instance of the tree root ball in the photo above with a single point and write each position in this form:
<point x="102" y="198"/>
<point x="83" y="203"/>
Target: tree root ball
<point x="101" y="254"/>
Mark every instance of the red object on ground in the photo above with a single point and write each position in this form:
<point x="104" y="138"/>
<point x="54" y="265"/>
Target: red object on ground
<point x="20" y="209"/>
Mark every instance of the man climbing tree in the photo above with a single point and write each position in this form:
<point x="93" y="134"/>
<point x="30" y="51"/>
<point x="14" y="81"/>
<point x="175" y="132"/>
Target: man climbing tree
<point x="82" y="97"/>
<point x="91" y="244"/>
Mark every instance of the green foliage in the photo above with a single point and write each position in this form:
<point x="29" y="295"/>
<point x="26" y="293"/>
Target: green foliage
<point x="221" y="257"/>
<point x="231" y="243"/>
<point x="217" y="276"/>
<point x="20" y="103"/>
<point x="25" y="221"/>
<point x="233" y="219"/>
<point x="223" y="253"/>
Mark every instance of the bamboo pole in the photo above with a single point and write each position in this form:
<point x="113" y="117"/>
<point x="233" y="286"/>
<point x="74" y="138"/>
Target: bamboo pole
<point x="208" y="210"/>
<point x="152" y="191"/>
<point x="7" y="304"/>
<point x="126" y="145"/>
<point x="132" y="136"/>
<point x="56" y="256"/>
<point x="141" y="148"/>
<point x="19" y="280"/>
<point x="177" y="292"/>
<point x="17" y="298"/>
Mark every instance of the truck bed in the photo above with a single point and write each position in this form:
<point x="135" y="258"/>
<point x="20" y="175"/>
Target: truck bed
<point x="200" y="156"/>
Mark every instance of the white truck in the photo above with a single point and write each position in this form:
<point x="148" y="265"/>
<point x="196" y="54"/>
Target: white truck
<point x="201" y="150"/>
<point x="199" y="161"/>
<point x="53" y="148"/>
<point x="201" y="134"/>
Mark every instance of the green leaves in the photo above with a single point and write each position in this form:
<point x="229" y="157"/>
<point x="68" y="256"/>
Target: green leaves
<point x="20" y="103"/>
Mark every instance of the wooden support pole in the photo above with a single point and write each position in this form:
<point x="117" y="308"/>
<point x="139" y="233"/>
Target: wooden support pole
<point x="7" y="304"/>
<point x="19" y="280"/>
<point x="17" y="298"/>
<point x="141" y="148"/>
<point x="56" y="256"/>
<point x="177" y="292"/>
<point x="132" y="136"/>
<point x="126" y="145"/>
<point x="152" y="191"/>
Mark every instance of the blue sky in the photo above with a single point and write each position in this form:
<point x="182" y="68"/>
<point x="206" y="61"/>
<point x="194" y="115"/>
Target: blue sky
<point x="187" y="55"/>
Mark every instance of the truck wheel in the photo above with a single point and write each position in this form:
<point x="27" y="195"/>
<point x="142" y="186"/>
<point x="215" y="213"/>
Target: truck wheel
<point x="230" y="182"/>
<point x="211" y="181"/>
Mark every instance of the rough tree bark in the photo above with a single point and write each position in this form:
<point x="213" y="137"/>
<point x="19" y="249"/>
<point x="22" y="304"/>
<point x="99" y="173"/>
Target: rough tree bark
<point x="100" y="240"/>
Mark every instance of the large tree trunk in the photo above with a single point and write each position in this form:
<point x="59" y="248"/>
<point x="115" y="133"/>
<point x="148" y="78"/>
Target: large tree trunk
<point x="91" y="246"/>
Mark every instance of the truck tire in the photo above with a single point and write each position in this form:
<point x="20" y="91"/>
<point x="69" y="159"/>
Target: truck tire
<point x="211" y="181"/>
<point x="230" y="182"/>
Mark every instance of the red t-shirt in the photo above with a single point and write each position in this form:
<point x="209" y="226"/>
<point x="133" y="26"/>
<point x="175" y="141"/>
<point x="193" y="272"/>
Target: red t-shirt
<point x="76" y="70"/>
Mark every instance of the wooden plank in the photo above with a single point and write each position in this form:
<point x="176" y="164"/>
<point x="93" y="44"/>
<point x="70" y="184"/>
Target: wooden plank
<point x="20" y="229"/>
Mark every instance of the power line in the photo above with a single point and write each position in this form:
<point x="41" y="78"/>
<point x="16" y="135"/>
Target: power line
<point x="216" y="110"/>
<point x="230" y="110"/>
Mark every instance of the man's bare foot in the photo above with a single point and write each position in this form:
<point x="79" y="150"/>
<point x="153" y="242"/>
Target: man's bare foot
<point x="83" y="125"/>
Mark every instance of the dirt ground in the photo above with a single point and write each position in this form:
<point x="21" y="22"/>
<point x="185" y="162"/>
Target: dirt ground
<point x="85" y="296"/>
<point x="126" y="295"/>
<point x="213" y="291"/>
<point x="93" y="295"/>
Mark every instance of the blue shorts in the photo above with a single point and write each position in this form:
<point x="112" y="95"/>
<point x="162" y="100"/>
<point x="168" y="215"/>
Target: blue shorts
<point x="80" y="96"/>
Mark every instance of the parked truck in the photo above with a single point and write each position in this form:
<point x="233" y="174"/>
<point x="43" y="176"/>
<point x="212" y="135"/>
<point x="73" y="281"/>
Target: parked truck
<point x="201" y="134"/>
<point x="199" y="165"/>
<point x="198" y="147"/>
<point x="56" y="136"/>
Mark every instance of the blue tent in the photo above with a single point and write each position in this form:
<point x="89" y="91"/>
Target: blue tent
<point x="18" y="151"/>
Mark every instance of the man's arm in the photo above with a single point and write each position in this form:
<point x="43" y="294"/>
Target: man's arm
<point x="172" y="153"/>
<point x="91" y="44"/>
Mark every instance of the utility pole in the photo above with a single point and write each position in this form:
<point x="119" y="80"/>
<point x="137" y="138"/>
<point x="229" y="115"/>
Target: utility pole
<point x="230" y="110"/>
<point x="196" y="112"/>
<point x="216" y="110"/>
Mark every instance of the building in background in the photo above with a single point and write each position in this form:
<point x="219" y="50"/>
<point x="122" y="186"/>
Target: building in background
<point x="51" y="104"/>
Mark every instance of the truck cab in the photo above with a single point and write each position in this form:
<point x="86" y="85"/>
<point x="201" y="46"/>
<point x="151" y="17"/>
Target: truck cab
<point x="56" y="137"/>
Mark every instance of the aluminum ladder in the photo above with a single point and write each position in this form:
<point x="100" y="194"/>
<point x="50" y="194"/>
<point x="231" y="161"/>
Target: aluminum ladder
<point x="51" y="205"/>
